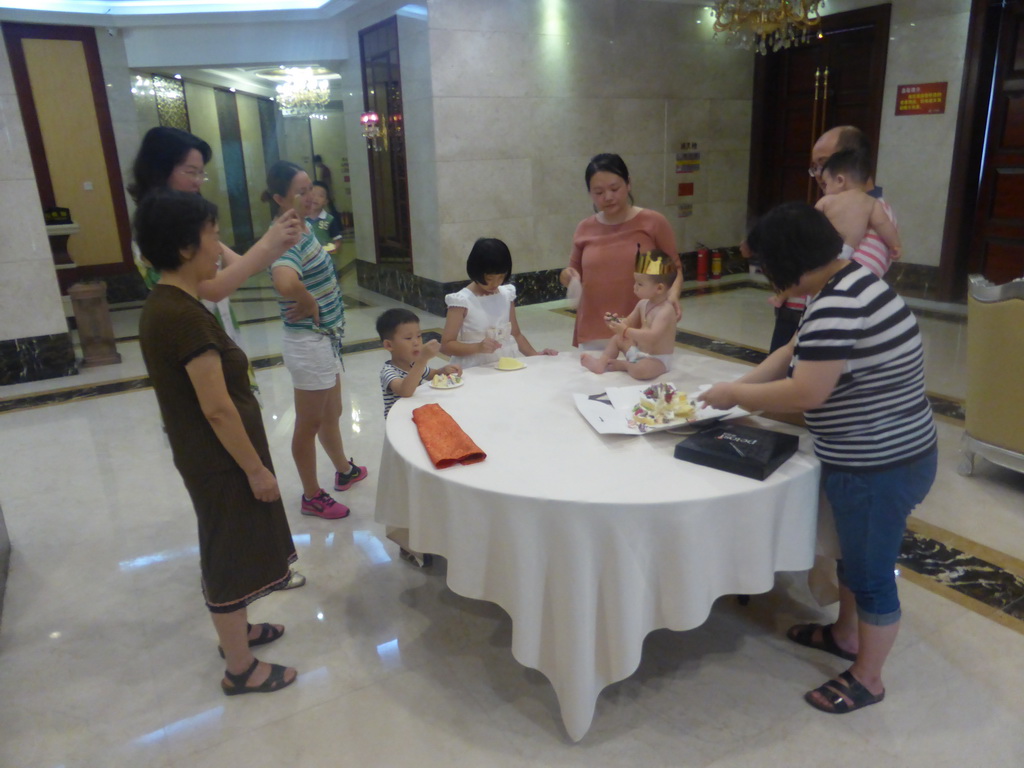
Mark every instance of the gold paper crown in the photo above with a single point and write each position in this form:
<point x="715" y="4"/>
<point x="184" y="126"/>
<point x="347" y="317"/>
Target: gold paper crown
<point x="653" y="263"/>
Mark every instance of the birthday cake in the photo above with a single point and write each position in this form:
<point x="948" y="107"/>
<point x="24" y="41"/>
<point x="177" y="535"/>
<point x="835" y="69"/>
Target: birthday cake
<point x="662" y="404"/>
<point x="510" y="364"/>
<point x="446" y="380"/>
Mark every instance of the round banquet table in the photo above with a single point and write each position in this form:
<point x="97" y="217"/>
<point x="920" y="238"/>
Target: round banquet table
<point x="589" y="542"/>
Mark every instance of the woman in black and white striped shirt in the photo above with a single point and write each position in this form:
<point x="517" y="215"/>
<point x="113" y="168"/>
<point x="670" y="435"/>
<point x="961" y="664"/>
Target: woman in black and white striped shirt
<point x="855" y="369"/>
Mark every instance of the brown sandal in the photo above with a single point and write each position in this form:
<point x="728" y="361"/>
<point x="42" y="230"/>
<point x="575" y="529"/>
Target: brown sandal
<point x="803" y="634"/>
<point x="844" y="694"/>
<point x="233" y="685"/>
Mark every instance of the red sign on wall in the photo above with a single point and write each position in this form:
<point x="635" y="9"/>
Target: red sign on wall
<point x="921" y="99"/>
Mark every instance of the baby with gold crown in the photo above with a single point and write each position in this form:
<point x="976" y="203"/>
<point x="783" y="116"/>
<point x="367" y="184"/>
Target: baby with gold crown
<point x="647" y="337"/>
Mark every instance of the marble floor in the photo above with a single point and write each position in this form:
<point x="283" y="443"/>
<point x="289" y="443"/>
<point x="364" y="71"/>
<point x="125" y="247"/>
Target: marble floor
<point x="107" y="657"/>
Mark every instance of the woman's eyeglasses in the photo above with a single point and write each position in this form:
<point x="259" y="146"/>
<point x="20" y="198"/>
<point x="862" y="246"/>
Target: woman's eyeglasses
<point x="195" y="174"/>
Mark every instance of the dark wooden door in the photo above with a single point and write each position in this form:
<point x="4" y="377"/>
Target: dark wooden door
<point x="389" y="186"/>
<point x="835" y="79"/>
<point x="997" y="248"/>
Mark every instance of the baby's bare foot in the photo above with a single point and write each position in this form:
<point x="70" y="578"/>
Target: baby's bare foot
<point x="592" y="363"/>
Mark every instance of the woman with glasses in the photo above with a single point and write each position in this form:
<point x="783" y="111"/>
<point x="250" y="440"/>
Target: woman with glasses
<point x="170" y="158"/>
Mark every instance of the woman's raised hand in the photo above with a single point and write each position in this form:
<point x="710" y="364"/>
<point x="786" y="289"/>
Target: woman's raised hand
<point x="285" y="231"/>
<point x="264" y="485"/>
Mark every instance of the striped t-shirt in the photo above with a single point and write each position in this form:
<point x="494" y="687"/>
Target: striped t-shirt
<point x="316" y="270"/>
<point x="877" y="416"/>
<point x="389" y="373"/>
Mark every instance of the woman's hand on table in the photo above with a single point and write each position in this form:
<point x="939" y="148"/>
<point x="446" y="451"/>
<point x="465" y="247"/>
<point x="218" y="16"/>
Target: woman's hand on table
<point x="264" y="485"/>
<point x="549" y="352"/>
<point x="721" y="396"/>
<point x="452" y="370"/>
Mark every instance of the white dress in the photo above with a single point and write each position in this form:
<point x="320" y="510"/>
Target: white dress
<point x="486" y="317"/>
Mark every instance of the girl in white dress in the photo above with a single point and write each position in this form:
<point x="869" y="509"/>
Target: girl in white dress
<point x="481" y="324"/>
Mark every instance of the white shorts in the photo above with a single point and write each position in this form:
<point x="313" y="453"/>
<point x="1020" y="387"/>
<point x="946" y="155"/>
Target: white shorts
<point x="311" y="360"/>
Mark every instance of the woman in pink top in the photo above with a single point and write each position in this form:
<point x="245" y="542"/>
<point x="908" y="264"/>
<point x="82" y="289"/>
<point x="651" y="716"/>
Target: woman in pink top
<point x="604" y="249"/>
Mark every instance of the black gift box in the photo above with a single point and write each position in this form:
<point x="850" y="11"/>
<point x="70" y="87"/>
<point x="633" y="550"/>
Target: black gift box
<point x="748" y="451"/>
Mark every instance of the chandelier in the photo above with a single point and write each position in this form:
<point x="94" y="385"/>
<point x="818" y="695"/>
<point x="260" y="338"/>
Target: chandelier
<point x="767" y="25"/>
<point x="302" y="94"/>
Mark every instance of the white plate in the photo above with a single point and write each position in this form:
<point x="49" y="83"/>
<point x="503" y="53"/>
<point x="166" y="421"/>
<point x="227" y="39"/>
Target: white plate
<point x="613" y="414"/>
<point x="453" y="386"/>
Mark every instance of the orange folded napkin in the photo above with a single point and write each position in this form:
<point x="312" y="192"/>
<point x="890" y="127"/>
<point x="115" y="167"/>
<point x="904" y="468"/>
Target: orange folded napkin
<point x="444" y="440"/>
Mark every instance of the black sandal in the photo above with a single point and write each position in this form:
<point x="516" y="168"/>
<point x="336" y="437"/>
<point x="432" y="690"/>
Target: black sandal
<point x="268" y="634"/>
<point x="275" y="680"/>
<point x="803" y="634"/>
<point x="845" y="688"/>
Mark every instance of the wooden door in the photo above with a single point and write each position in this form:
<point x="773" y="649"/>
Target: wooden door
<point x="835" y="79"/>
<point x="389" y="186"/>
<point x="997" y="248"/>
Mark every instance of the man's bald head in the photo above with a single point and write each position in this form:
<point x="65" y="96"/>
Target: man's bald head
<point x="833" y="140"/>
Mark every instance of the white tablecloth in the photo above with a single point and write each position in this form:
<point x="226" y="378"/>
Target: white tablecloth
<point x="589" y="541"/>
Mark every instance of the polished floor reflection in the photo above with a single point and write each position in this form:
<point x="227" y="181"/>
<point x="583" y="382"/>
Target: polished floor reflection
<point x="107" y="657"/>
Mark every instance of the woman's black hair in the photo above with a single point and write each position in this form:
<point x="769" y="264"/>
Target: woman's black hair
<point x="489" y="256"/>
<point x="163" y="148"/>
<point x="167" y="222"/>
<point x="607" y="162"/>
<point x="279" y="178"/>
<point x="792" y="240"/>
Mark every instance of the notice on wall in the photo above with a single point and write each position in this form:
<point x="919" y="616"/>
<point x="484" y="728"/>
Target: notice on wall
<point x="683" y="210"/>
<point x="921" y="99"/>
<point x="688" y="160"/>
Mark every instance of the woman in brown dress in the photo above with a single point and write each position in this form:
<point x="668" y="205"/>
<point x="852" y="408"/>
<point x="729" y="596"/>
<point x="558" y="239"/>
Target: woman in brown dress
<point x="216" y="433"/>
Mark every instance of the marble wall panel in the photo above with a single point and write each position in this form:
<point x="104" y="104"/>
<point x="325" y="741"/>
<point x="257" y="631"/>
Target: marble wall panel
<point x="727" y="174"/>
<point x="915" y="152"/>
<point x="457" y="239"/>
<point x="475" y="64"/>
<point x="22" y="231"/>
<point x="576" y="127"/>
<point x="17" y="163"/>
<point x="689" y="120"/>
<point x="729" y="123"/>
<point x="558" y="186"/>
<point x="30" y="303"/>
<point x="639" y="125"/>
<point x="484" y="190"/>
<point x="482" y="128"/>
<point x="552" y="239"/>
<point x="6" y="76"/>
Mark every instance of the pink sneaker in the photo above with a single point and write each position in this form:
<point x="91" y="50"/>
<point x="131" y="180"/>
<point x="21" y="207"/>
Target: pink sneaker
<point x="350" y="478"/>
<point x="322" y="505"/>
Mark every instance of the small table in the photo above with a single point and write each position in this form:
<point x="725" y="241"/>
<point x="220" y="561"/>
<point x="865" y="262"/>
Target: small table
<point x="589" y="541"/>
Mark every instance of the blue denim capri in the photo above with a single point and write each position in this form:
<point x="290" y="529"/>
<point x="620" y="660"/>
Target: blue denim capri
<point x="870" y="511"/>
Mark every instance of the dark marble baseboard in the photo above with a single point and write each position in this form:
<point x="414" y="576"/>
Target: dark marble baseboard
<point x="37" y="358"/>
<point x="5" y="561"/>
<point x="914" y="280"/>
<point x="428" y="295"/>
